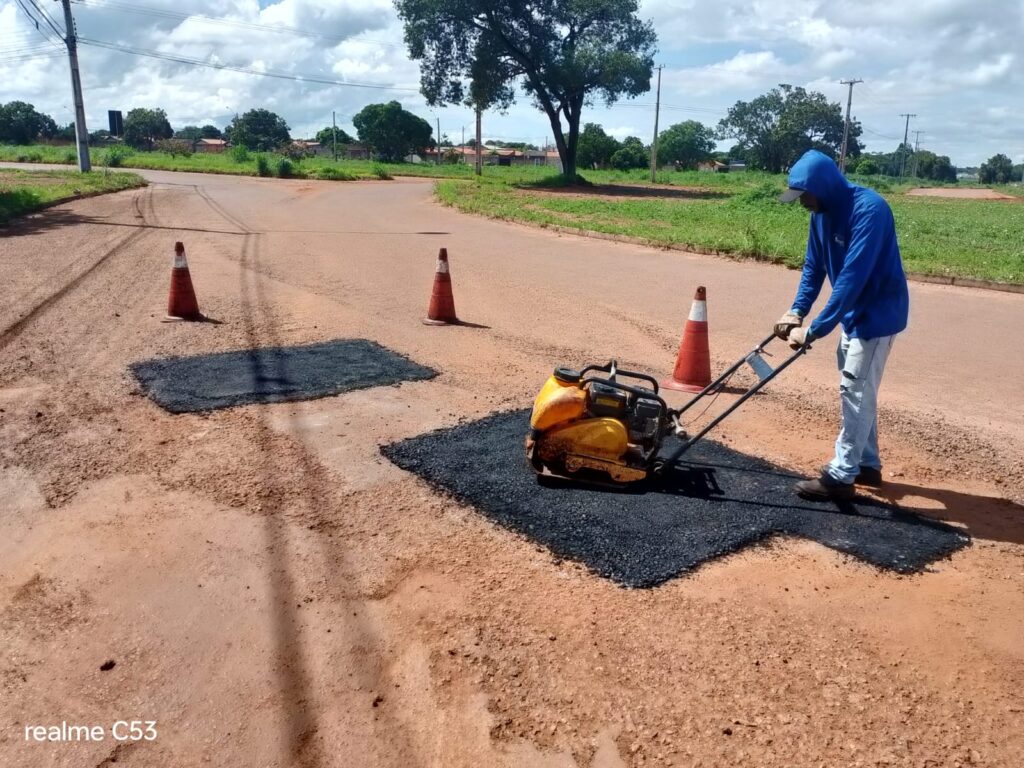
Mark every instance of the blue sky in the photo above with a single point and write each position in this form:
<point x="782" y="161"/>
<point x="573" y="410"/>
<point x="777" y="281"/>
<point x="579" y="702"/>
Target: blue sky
<point x="957" y="64"/>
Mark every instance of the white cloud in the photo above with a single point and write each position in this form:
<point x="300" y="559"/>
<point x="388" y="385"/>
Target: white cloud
<point x="948" y="61"/>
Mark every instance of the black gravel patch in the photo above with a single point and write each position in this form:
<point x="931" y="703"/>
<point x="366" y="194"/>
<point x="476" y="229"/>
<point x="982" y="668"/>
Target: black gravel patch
<point x="273" y="374"/>
<point x="717" y="502"/>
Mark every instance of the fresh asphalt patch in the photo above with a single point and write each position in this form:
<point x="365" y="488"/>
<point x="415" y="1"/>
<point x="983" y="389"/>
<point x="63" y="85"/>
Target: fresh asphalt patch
<point x="273" y="374"/>
<point x="716" y="502"/>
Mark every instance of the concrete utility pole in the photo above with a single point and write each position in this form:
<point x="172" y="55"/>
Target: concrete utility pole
<point x="917" y="147"/>
<point x="479" y="150"/>
<point x="334" y="134"/>
<point x="439" y="141"/>
<point x="846" y="126"/>
<point x="906" y="134"/>
<point x="81" y="132"/>
<point x="654" y="144"/>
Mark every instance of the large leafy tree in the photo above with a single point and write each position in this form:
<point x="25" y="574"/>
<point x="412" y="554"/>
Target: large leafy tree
<point x="998" y="169"/>
<point x="392" y="131"/>
<point x="210" y="132"/>
<point x="773" y="130"/>
<point x="144" y="127"/>
<point x="631" y="154"/>
<point x="563" y="53"/>
<point x="685" y="144"/>
<point x="259" y="130"/>
<point x="188" y="133"/>
<point x="326" y="136"/>
<point x="595" y="148"/>
<point x="20" y="123"/>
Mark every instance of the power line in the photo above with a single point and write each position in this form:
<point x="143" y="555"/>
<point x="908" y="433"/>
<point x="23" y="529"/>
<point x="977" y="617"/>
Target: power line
<point x="237" y="68"/>
<point x="46" y="35"/>
<point x="50" y="22"/>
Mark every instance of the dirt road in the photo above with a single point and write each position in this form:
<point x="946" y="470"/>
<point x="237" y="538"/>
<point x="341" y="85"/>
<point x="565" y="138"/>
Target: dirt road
<point x="273" y="592"/>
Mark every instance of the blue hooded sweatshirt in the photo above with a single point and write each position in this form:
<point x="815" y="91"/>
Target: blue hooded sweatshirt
<point x="853" y="241"/>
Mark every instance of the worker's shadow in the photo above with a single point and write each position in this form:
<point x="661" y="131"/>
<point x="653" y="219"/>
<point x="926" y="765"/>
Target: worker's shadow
<point x="983" y="517"/>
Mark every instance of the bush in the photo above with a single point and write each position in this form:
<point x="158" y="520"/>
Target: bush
<point x="867" y="167"/>
<point x="262" y="166"/>
<point x="174" y="147"/>
<point x="116" y="156"/>
<point x="380" y="172"/>
<point x="333" y="174"/>
<point x="294" y="151"/>
<point x="240" y="154"/>
<point x="71" y="158"/>
<point x="285" y="170"/>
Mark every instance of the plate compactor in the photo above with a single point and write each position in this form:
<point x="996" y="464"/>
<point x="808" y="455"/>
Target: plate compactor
<point x="606" y="426"/>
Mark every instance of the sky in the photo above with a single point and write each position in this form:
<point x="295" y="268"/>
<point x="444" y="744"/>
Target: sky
<point x="957" y="65"/>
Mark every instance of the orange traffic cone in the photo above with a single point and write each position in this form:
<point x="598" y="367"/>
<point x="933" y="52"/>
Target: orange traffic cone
<point x="181" y="303"/>
<point x="442" y="304"/>
<point x="693" y="363"/>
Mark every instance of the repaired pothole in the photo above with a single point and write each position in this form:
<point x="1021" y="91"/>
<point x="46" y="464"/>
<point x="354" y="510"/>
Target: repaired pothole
<point x="716" y="502"/>
<point x="273" y="374"/>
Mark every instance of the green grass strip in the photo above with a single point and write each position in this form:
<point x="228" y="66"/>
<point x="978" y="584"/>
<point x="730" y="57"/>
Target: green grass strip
<point x="22" y="192"/>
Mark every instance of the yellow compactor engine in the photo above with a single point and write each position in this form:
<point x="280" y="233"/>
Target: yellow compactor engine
<point x="596" y="427"/>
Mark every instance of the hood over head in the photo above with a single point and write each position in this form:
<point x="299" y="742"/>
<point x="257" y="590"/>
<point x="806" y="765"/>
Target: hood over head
<point x="818" y="174"/>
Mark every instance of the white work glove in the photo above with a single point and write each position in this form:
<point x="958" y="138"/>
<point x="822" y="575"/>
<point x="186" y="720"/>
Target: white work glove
<point x="800" y="337"/>
<point x="787" y="323"/>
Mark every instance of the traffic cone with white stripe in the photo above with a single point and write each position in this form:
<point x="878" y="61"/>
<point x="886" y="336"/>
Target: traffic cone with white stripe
<point x="693" y="363"/>
<point x="181" y="303"/>
<point x="442" y="304"/>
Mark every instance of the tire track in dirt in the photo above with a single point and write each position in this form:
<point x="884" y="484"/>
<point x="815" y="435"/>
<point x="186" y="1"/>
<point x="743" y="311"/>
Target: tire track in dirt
<point x="11" y="332"/>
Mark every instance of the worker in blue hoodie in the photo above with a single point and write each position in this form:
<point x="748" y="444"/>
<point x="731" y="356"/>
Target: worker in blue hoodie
<point x="852" y="240"/>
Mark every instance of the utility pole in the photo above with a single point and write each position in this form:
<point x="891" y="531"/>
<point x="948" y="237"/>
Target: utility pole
<point x="479" y="151"/>
<point x="81" y="132"/>
<point x="334" y="134"/>
<point x="906" y="135"/>
<point x="439" y="141"/>
<point x="846" y="127"/>
<point x="654" y="144"/>
<point x="917" y="146"/>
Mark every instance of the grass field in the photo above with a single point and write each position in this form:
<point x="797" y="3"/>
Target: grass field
<point x="738" y="215"/>
<point x="26" y="191"/>
<point x="735" y="214"/>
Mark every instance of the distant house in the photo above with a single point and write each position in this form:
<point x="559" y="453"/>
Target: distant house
<point x="210" y="145"/>
<point x="315" y="147"/>
<point x="712" y="166"/>
<point x="353" y="152"/>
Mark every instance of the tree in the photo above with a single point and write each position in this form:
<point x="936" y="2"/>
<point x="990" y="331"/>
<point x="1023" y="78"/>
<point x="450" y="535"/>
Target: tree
<point x="867" y="167"/>
<point x="20" y="123"/>
<point x="632" y="154"/>
<point x="326" y="136"/>
<point x="928" y="165"/>
<point x="392" y="131"/>
<point x="143" y="127"/>
<point x="595" y="148"/>
<point x="259" y="130"/>
<point x="998" y="169"/>
<point x="563" y="53"/>
<point x="685" y="144"/>
<point x="189" y="133"/>
<point x="774" y="129"/>
<point x="210" y="132"/>
<point x="67" y="133"/>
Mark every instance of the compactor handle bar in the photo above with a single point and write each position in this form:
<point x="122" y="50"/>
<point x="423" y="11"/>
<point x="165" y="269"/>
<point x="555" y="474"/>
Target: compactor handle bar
<point x="714" y="385"/>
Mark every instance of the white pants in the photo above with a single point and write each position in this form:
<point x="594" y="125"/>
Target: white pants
<point x="861" y="363"/>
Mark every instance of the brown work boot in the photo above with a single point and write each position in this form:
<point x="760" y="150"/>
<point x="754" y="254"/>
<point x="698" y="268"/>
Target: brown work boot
<point x="824" y="488"/>
<point x="870" y="477"/>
